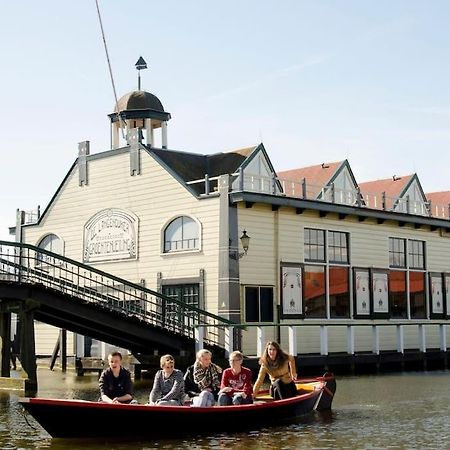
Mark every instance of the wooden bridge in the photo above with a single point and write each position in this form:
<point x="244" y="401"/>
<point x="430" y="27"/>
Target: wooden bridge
<point x="37" y="284"/>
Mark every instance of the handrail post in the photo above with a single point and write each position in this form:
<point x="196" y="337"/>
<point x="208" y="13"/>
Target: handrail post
<point x="422" y="339"/>
<point x="323" y="340"/>
<point x="199" y="335"/>
<point x="206" y="184"/>
<point x="241" y="179"/>
<point x="443" y="337"/>
<point x="375" y="340"/>
<point x="400" y="339"/>
<point x="260" y="340"/>
<point x="358" y="197"/>
<point x="383" y="201"/>
<point x="292" y="331"/>
<point x="229" y="334"/>
<point x="350" y="340"/>
<point x="304" y="193"/>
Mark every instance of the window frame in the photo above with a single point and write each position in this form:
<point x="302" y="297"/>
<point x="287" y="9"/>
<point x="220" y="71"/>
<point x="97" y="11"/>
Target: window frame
<point x="258" y="287"/>
<point x="197" y="249"/>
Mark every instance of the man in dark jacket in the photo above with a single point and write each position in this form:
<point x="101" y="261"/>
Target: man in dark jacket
<point x="115" y="382"/>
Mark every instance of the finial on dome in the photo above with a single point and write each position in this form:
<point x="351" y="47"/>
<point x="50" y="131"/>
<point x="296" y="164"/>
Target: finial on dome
<point x="140" y="65"/>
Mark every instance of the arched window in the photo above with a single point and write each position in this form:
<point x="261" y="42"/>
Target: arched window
<point x="51" y="243"/>
<point x="181" y="234"/>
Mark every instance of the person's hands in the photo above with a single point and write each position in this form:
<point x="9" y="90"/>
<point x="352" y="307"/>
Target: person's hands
<point x="225" y="389"/>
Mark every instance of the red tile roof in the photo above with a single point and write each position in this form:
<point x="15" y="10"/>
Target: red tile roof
<point x="372" y="190"/>
<point x="316" y="177"/>
<point x="439" y="203"/>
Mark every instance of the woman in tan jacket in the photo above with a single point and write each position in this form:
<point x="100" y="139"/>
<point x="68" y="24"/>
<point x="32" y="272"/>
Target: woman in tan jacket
<point x="280" y="366"/>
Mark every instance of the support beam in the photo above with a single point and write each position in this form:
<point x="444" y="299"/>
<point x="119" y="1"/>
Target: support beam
<point x="400" y="339"/>
<point x="323" y="340"/>
<point x="260" y="340"/>
<point x="27" y="350"/>
<point x="292" y="331"/>
<point x="443" y="337"/>
<point x="5" y="344"/>
<point x="375" y="340"/>
<point x="350" y="340"/>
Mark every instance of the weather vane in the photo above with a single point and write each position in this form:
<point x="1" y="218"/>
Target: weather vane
<point x="140" y="65"/>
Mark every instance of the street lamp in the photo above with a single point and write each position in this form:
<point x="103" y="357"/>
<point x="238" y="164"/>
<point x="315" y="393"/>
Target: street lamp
<point x="245" y="242"/>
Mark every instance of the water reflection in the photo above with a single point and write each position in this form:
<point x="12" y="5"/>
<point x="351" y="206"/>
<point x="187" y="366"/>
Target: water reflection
<point x="394" y="411"/>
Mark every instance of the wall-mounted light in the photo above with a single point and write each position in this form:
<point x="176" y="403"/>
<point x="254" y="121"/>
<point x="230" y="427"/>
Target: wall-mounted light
<point x="245" y="241"/>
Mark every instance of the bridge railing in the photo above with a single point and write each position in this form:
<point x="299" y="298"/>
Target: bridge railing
<point x="24" y="263"/>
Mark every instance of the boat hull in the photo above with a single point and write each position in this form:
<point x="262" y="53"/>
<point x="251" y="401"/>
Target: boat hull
<point x="84" y="419"/>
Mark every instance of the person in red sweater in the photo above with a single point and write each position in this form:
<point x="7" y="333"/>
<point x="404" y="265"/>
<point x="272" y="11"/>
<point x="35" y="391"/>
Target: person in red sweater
<point x="236" y="386"/>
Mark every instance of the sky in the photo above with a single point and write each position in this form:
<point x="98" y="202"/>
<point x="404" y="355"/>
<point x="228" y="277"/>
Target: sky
<point x="314" y="81"/>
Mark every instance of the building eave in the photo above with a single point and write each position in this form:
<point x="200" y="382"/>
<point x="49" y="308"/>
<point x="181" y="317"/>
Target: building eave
<point x="361" y="213"/>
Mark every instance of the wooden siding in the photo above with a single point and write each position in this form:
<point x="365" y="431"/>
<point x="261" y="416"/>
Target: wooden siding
<point x="155" y="197"/>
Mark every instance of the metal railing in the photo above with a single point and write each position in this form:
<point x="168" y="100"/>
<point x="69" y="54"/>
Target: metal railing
<point x="24" y="263"/>
<point x="328" y="193"/>
<point x="374" y="329"/>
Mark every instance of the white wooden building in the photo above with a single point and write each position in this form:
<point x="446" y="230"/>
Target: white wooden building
<point x="355" y="267"/>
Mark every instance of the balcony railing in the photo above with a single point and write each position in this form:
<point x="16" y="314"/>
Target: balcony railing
<point x="326" y="193"/>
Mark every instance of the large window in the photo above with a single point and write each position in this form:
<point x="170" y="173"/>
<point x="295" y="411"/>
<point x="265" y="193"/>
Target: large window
<point x="397" y="294"/>
<point x="314" y="245"/>
<point x="327" y="274"/>
<point x="258" y="304"/>
<point x="181" y="234"/>
<point x="339" y="291"/>
<point x="416" y="254"/>
<point x="338" y="247"/>
<point x="397" y="252"/>
<point x="407" y="278"/>
<point x="51" y="243"/>
<point x="315" y="293"/>
<point x="417" y="295"/>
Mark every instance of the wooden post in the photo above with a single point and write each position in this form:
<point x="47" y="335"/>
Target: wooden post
<point x="400" y="339"/>
<point x="199" y="337"/>
<point x="350" y="340"/>
<point x="5" y="344"/>
<point x="323" y="340"/>
<point x="376" y="340"/>
<point x="260" y="340"/>
<point x="443" y="337"/>
<point x="27" y="350"/>
<point x="292" y="340"/>
<point x="63" y="348"/>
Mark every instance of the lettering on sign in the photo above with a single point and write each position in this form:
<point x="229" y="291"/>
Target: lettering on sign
<point x="110" y="235"/>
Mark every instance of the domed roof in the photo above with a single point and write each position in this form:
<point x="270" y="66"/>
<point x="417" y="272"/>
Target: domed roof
<point x="139" y="100"/>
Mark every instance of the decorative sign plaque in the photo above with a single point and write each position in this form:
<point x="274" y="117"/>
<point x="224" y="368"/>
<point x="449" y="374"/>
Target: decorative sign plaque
<point x="291" y="279"/>
<point x="110" y="235"/>
<point x="380" y="292"/>
<point x="362" y="289"/>
<point x="437" y="294"/>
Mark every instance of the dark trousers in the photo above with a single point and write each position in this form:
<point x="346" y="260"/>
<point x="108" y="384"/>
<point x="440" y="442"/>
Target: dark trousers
<point x="280" y="390"/>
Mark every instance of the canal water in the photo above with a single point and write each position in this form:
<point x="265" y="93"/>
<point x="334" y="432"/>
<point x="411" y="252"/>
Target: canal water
<point x="392" y="411"/>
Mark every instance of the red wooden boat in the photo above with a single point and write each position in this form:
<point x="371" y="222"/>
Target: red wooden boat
<point x="79" y="418"/>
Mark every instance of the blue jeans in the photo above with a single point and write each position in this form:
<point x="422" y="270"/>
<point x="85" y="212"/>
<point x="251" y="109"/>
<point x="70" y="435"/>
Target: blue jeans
<point x="205" y="398"/>
<point x="236" y="399"/>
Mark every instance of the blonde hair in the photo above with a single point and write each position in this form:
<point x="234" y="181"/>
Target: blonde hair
<point x="202" y="352"/>
<point x="164" y="359"/>
<point x="236" y="354"/>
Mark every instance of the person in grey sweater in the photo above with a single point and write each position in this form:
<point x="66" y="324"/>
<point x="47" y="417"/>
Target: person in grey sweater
<point x="168" y="385"/>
